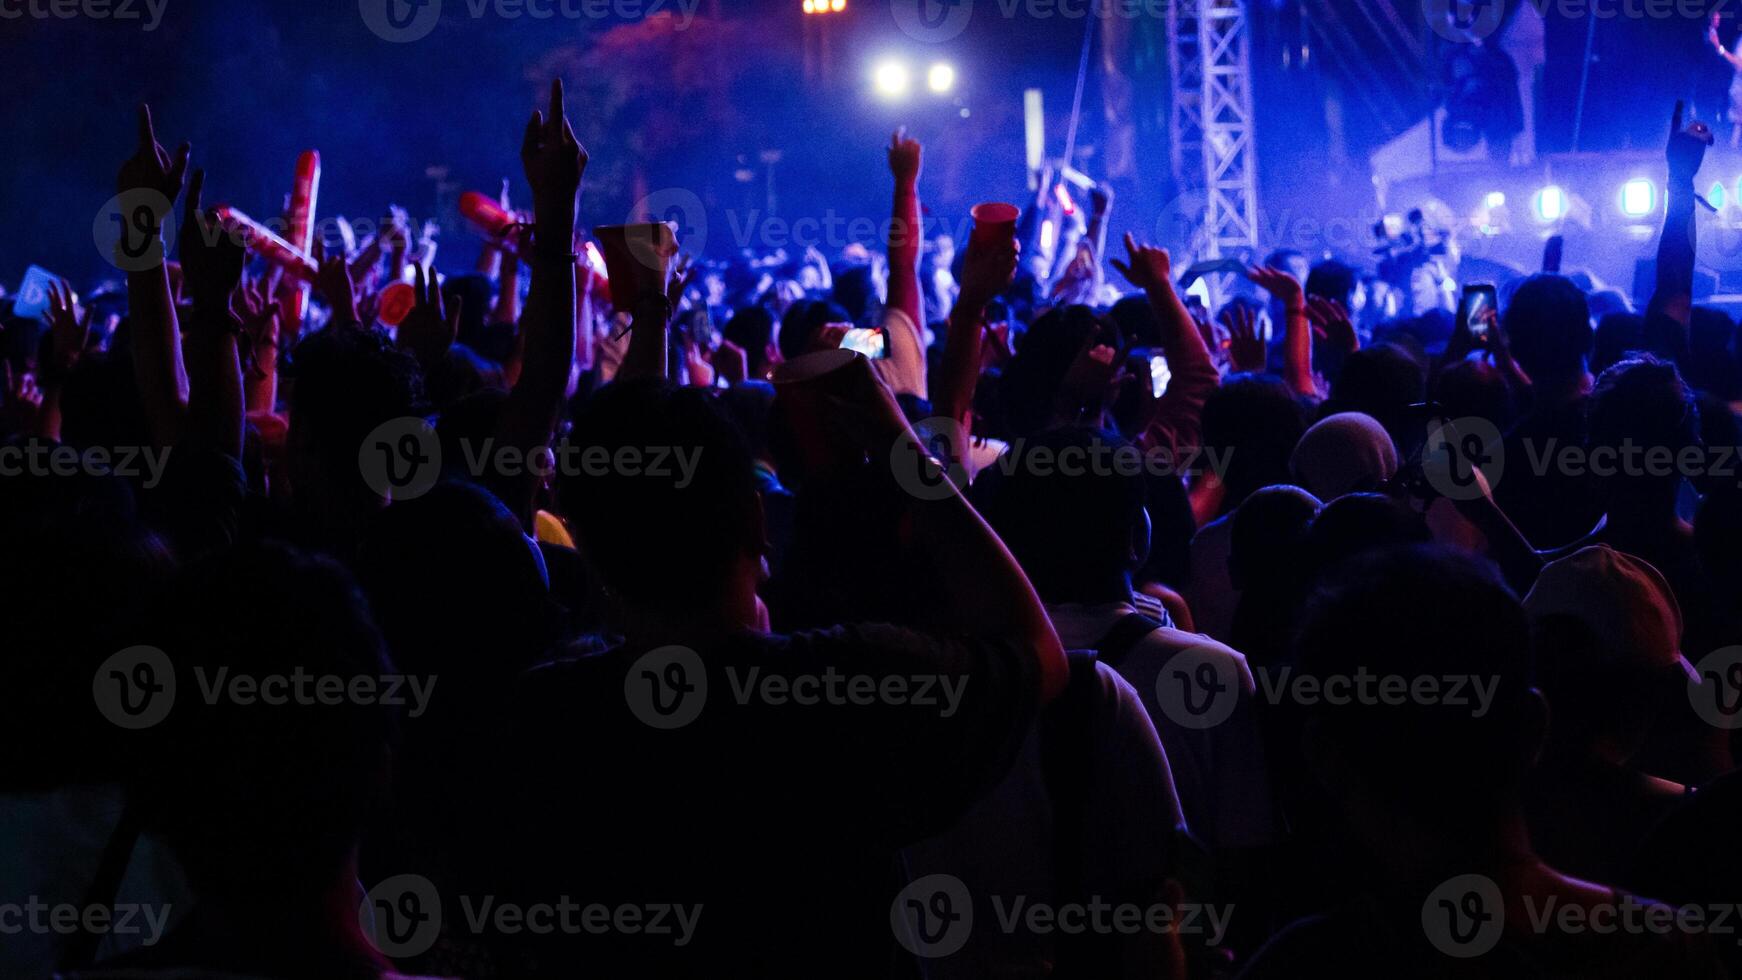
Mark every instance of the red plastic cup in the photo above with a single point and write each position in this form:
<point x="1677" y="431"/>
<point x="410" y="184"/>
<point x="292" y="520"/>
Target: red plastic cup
<point x="637" y="259"/>
<point x="994" y="223"/>
<point x="397" y="301"/>
<point x="298" y="266"/>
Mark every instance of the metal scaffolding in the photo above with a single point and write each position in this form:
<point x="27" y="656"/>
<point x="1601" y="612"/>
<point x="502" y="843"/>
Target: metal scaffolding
<point x="1213" y="157"/>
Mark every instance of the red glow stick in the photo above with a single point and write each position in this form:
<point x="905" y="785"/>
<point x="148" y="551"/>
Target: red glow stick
<point x="297" y="264"/>
<point x="301" y="219"/>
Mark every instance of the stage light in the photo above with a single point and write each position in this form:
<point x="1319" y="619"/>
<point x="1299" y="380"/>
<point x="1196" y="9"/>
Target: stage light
<point x="941" y="78"/>
<point x="1551" y="204"/>
<point x="1638" y="197"/>
<point x="1495" y="199"/>
<point x="837" y="5"/>
<point x="891" y="79"/>
<point x="1715" y="196"/>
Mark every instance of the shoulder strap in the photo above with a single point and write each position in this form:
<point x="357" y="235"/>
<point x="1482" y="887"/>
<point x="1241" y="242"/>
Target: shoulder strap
<point x="1123" y="638"/>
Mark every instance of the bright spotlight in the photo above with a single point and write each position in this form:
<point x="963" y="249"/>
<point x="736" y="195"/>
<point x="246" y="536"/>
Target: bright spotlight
<point x="891" y="79"/>
<point x="1551" y="203"/>
<point x="837" y="5"/>
<point x="1715" y="196"/>
<point x="1495" y="199"/>
<point x="941" y="78"/>
<point x="1638" y="198"/>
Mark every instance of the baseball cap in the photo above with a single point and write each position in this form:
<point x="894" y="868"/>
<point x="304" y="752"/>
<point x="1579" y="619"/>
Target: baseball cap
<point x="1619" y="598"/>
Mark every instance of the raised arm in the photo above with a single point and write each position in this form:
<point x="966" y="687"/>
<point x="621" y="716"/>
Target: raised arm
<point x="987" y="270"/>
<point x="211" y="263"/>
<point x="554" y="162"/>
<point x="1674" y="294"/>
<point x="1297" y="337"/>
<point x="904" y="368"/>
<point x="1174" y="421"/>
<point x="157" y="363"/>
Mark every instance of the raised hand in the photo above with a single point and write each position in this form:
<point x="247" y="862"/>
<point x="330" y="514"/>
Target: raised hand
<point x="1246" y="349"/>
<point x="1687" y="147"/>
<point x="428" y="331"/>
<point x="1149" y="267"/>
<point x="334" y="283"/>
<point x="1279" y="283"/>
<point x="68" y="332"/>
<point x="150" y="167"/>
<point x="211" y="258"/>
<point x="986" y="272"/>
<point x="20" y="400"/>
<point x="1331" y="322"/>
<point x="554" y="161"/>
<point x="904" y="156"/>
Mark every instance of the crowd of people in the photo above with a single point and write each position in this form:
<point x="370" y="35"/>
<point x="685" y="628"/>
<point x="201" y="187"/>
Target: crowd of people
<point x="578" y="624"/>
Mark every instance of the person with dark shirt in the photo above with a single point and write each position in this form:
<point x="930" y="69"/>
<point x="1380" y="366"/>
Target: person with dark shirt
<point x="1429" y="790"/>
<point x="775" y="816"/>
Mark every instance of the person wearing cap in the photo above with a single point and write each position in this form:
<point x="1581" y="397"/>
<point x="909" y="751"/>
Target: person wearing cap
<point x="1607" y="633"/>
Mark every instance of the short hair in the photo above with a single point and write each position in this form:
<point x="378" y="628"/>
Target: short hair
<point x="802" y="322"/>
<point x="1256" y="421"/>
<point x="668" y="533"/>
<point x="1070" y="526"/>
<point x="1332" y="279"/>
<point x="1548" y="324"/>
<point x="348" y="381"/>
<point x="1424" y="612"/>
<point x="752" y="328"/>
<point x="1645" y="402"/>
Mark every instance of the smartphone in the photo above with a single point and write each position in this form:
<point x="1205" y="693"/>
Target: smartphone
<point x="1479" y="298"/>
<point x="1159" y="373"/>
<point x="867" y="342"/>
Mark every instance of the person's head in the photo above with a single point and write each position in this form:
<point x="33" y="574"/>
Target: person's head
<point x="1268" y="529"/>
<point x="1607" y="632"/>
<point x="856" y="291"/>
<point x="1344" y="453"/>
<point x="1031" y="381"/>
<point x="752" y="328"/>
<point x="256" y="797"/>
<point x="472" y="295"/>
<point x="803" y="321"/>
<point x="1331" y="279"/>
<point x="1618" y="335"/>
<point x="1072" y="512"/>
<point x="1475" y="388"/>
<point x="1381" y="381"/>
<point x="458" y="588"/>
<point x="1252" y="422"/>
<point x="1642" y="413"/>
<point x="348" y="382"/>
<point x="1448" y="768"/>
<point x="1137" y="321"/>
<point x="1548" y="324"/>
<point x="1709" y="365"/>
<point x="1357" y="524"/>
<point x="682" y="539"/>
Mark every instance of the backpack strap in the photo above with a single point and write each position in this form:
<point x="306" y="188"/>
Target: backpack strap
<point x="1123" y="638"/>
